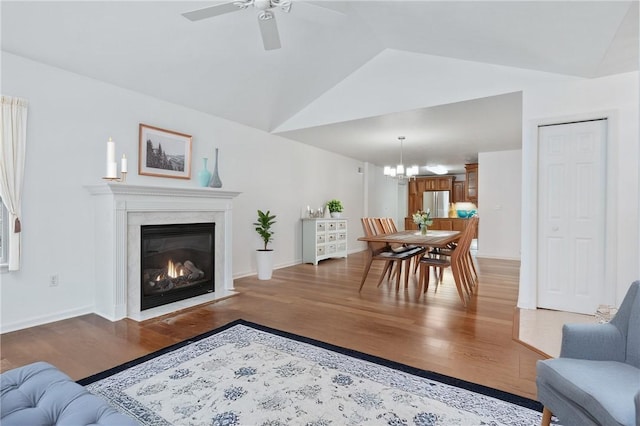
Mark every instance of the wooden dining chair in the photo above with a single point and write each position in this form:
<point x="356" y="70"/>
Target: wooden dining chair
<point x="383" y="252"/>
<point x="458" y="262"/>
<point x="388" y="226"/>
<point x="462" y="261"/>
<point x="375" y="251"/>
<point x="468" y="263"/>
<point x="446" y="252"/>
<point x="379" y="226"/>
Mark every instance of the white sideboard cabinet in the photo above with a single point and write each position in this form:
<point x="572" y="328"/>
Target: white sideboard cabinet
<point x="323" y="239"/>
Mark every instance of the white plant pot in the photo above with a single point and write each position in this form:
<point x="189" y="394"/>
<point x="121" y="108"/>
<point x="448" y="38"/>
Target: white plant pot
<point x="336" y="215"/>
<point x="264" y="260"/>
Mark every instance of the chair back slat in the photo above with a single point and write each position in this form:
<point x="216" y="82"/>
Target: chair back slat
<point x="387" y="225"/>
<point x="371" y="230"/>
<point x="376" y="224"/>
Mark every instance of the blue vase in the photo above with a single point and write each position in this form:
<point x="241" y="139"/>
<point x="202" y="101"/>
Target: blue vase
<point x="204" y="176"/>
<point x="215" y="181"/>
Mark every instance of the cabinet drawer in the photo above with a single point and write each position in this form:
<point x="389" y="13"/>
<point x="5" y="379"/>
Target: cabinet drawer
<point x="331" y="237"/>
<point x="320" y="251"/>
<point x="342" y="225"/>
<point x="342" y="247"/>
<point x="331" y="226"/>
<point x="321" y="226"/>
<point x="320" y="239"/>
<point x="331" y="248"/>
<point x="342" y="236"/>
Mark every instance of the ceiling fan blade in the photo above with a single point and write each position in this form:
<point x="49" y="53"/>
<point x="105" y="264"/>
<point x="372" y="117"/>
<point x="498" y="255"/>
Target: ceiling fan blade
<point x="269" y="31"/>
<point x="208" y="12"/>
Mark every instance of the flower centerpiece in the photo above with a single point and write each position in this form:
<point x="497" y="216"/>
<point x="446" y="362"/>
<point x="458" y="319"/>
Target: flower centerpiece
<point x="423" y="220"/>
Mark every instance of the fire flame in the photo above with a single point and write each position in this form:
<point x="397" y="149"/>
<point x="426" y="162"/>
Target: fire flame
<point x="173" y="270"/>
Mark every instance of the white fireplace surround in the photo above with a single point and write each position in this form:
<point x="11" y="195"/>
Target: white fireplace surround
<point x="120" y="211"/>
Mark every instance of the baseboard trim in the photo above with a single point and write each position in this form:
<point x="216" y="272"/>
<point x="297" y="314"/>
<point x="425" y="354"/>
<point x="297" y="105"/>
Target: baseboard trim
<point x="283" y="265"/>
<point x="488" y="256"/>
<point x="45" y="319"/>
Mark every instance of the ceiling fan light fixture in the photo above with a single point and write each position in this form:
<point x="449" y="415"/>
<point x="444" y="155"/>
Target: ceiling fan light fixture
<point x="266" y="17"/>
<point x="284" y="5"/>
<point x="243" y="4"/>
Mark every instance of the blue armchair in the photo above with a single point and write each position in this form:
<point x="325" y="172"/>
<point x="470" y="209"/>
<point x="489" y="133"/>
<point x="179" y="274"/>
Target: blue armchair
<point x="596" y="380"/>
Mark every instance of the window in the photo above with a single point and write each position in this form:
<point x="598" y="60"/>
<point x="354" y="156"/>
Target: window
<point x="4" y="236"/>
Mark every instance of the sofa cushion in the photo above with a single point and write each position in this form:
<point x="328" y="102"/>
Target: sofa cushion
<point x="589" y="384"/>
<point x="633" y="334"/>
<point x="40" y="394"/>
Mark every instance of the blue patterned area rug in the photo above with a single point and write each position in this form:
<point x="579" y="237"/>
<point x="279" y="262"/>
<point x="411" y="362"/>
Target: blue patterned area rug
<point x="247" y="374"/>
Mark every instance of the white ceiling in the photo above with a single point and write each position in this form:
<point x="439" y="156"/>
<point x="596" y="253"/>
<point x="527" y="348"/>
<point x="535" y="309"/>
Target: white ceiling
<point x="219" y="66"/>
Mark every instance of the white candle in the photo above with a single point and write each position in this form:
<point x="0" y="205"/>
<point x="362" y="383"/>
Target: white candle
<point x="111" y="157"/>
<point x="112" y="169"/>
<point x="111" y="151"/>
<point x="123" y="165"/>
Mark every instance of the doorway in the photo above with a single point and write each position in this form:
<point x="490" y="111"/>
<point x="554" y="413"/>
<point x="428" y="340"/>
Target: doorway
<point x="571" y="215"/>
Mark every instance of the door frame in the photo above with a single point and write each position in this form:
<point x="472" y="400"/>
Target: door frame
<point x="528" y="289"/>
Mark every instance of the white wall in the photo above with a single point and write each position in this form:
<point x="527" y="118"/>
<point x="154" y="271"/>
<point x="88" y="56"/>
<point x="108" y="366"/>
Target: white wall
<point x="383" y="195"/>
<point x="615" y="97"/>
<point x="70" y="119"/>
<point x="499" y="206"/>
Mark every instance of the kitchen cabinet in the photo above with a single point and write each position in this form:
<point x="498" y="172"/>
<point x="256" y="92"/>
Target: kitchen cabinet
<point x="471" y="182"/>
<point x="323" y="239"/>
<point x="458" y="193"/>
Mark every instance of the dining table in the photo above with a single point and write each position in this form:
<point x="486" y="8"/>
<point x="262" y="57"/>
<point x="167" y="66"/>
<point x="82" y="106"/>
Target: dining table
<point x="432" y="239"/>
<point x="435" y="238"/>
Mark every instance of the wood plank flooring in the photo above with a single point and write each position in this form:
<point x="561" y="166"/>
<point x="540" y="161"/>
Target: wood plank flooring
<point x="432" y="332"/>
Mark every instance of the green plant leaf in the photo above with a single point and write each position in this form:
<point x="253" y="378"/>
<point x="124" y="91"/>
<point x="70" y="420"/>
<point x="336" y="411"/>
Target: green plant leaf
<point x="263" y="226"/>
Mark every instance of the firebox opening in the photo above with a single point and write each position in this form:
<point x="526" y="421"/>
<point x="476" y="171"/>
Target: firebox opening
<point x="177" y="262"/>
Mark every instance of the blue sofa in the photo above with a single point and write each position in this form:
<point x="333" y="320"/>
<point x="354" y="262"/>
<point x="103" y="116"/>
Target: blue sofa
<point x="39" y="394"/>
<point x="596" y="380"/>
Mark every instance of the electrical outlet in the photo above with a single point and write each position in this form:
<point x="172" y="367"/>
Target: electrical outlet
<point x="54" y="280"/>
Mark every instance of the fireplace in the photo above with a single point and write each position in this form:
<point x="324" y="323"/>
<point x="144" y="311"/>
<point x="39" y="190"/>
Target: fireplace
<point x="177" y="262"/>
<point x="120" y="213"/>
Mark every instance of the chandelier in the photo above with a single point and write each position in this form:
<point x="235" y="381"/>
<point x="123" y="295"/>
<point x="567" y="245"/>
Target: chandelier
<point x="400" y="171"/>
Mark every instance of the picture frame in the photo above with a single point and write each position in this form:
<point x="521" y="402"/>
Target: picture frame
<point x="164" y="153"/>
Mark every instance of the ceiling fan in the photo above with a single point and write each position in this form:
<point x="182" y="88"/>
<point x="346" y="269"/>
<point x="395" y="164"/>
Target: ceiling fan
<point x="266" y="17"/>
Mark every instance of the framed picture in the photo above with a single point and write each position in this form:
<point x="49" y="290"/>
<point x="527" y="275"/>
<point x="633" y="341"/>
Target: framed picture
<point x="164" y="153"/>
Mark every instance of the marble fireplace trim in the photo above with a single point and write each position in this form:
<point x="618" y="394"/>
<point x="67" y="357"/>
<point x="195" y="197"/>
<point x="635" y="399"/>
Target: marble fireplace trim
<point x="134" y="222"/>
<point x="120" y="209"/>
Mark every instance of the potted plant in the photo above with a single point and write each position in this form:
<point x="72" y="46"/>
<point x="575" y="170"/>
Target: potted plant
<point x="264" y="256"/>
<point x="335" y="208"/>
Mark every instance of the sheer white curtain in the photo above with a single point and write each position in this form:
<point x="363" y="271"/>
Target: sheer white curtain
<point x="13" y="140"/>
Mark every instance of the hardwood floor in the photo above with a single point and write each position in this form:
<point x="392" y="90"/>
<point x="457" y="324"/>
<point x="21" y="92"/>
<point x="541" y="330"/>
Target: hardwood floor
<point x="432" y="332"/>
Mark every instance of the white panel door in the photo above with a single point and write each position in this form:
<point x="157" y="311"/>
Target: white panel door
<point x="571" y="215"/>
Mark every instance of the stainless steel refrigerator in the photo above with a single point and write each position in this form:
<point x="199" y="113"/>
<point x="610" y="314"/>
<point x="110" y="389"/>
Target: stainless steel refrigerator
<point x="437" y="202"/>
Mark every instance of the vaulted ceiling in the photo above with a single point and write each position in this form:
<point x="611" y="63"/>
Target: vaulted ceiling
<point x="329" y="50"/>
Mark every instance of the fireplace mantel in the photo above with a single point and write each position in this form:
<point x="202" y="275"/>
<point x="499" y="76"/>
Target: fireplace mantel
<point x="119" y="211"/>
<point x="163" y="191"/>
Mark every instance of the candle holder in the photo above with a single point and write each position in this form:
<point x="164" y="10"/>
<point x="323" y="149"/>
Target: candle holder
<point x="122" y="178"/>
